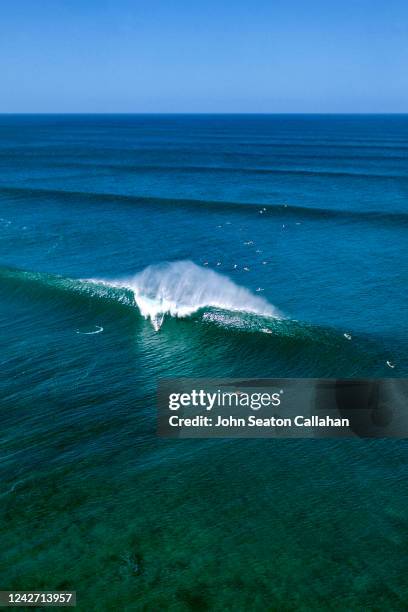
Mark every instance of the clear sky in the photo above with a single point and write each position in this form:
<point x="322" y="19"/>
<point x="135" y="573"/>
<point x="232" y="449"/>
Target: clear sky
<point x="203" y="56"/>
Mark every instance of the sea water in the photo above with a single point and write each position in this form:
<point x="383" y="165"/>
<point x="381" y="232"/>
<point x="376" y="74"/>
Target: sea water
<point x="139" y="247"/>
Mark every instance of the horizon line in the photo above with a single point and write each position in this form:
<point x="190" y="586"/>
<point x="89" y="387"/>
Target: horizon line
<point x="252" y="113"/>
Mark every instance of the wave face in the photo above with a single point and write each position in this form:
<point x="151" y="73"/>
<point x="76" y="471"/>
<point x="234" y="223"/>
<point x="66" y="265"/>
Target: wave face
<point x="181" y="288"/>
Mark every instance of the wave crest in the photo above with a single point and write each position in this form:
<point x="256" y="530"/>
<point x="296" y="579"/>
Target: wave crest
<point x="181" y="288"/>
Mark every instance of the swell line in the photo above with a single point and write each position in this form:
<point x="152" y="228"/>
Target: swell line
<point x="66" y="159"/>
<point x="249" y="314"/>
<point x="248" y="170"/>
<point x="260" y="171"/>
<point x="220" y="308"/>
<point x="399" y="218"/>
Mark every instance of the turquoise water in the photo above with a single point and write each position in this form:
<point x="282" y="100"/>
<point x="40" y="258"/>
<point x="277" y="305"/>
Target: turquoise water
<point x="139" y="247"/>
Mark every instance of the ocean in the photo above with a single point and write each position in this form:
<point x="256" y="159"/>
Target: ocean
<point x="137" y="247"/>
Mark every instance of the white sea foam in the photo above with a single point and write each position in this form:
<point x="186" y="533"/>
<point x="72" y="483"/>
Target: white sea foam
<point x="98" y="330"/>
<point x="181" y="288"/>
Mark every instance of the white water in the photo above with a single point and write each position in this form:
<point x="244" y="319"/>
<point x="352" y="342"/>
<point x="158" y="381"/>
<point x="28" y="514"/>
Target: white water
<point x="181" y="288"/>
<point x="98" y="330"/>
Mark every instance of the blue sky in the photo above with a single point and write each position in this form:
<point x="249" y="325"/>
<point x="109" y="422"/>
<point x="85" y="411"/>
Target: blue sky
<point x="207" y="56"/>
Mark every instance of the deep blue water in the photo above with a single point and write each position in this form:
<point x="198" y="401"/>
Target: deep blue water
<point x="254" y="243"/>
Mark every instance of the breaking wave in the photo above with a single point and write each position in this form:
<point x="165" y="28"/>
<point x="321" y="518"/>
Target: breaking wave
<point x="181" y="288"/>
<point x="178" y="289"/>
